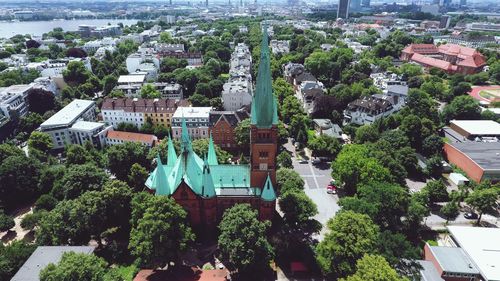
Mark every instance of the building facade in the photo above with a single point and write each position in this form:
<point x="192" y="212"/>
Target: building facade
<point x="196" y="119"/>
<point x="222" y="126"/>
<point x="206" y="188"/>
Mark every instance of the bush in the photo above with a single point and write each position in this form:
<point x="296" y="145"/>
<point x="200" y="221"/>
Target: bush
<point x="6" y="222"/>
<point x="46" y="202"/>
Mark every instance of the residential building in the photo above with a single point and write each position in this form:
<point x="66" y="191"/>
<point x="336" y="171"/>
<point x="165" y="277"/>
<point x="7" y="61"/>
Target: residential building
<point x="326" y="127"/>
<point x="93" y="132"/>
<point x="280" y="46"/>
<point x="450" y="58"/>
<point x="196" y="119"/>
<point x="137" y="60"/>
<point x="167" y="90"/>
<point x="132" y="79"/>
<point x="366" y="110"/>
<point x="484" y="26"/>
<point x="237" y="93"/>
<point x="137" y="111"/>
<point x="471" y="40"/>
<point x="222" y="125"/>
<point x="383" y="80"/>
<point x="292" y="70"/>
<point x="307" y="92"/>
<point x="343" y="9"/>
<point x="118" y="137"/>
<point x="479" y="160"/>
<point x="14" y="101"/>
<point x="58" y="126"/>
<point x="206" y="188"/>
<point x="43" y="256"/>
<point x="192" y="58"/>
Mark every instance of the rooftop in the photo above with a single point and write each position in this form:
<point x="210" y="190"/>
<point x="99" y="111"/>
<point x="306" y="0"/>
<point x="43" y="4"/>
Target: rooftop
<point x="69" y="113"/>
<point x="482" y="245"/>
<point x="135" y="78"/>
<point x="478" y="127"/>
<point x="485" y="154"/>
<point x="429" y="271"/>
<point x="42" y="256"/>
<point x="86" y="125"/>
<point x="131" y="137"/>
<point x="192" y="112"/>
<point x="453" y="259"/>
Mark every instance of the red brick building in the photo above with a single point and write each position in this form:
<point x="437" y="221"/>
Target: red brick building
<point x="450" y="58"/>
<point x="222" y="125"/>
<point x="451" y="263"/>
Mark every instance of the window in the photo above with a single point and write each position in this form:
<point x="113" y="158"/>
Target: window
<point x="263" y="154"/>
<point x="263" y="166"/>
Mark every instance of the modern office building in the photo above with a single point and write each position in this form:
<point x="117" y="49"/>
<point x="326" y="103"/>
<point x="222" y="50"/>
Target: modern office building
<point x="343" y="9"/>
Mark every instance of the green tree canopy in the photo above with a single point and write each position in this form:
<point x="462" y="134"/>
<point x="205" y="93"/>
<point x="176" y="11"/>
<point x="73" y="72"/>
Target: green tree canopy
<point x="482" y="201"/>
<point x="373" y="268"/>
<point x="289" y="180"/>
<point x="75" y="266"/>
<point x="121" y="158"/>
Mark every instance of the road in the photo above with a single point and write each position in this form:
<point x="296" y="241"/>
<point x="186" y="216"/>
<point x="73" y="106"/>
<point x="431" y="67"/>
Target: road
<point x="316" y="178"/>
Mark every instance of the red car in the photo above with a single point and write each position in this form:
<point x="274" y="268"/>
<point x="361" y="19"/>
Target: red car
<point x="331" y="189"/>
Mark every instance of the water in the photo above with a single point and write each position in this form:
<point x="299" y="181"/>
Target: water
<point x="9" y="29"/>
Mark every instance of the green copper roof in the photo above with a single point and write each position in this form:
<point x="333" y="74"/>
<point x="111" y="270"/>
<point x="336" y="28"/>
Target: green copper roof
<point x="185" y="139"/>
<point x="264" y="105"/>
<point x="207" y="184"/>
<point x="212" y="157"/>
<point x="171" y="154"/>
<point x="268" y="193"/>
<point x="160" y="182"/>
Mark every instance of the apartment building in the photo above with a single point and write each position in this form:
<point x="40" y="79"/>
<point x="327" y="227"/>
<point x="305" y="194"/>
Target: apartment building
<point x="197" y="122"/>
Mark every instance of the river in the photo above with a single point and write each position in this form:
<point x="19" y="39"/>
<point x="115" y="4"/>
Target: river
<point x="9" y="29"/>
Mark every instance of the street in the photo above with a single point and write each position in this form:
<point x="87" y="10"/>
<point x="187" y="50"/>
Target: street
<point x="316" y="178"/>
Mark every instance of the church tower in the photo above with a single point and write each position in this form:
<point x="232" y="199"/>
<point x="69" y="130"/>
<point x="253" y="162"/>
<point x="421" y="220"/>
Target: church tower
<point x="264" y="123"/>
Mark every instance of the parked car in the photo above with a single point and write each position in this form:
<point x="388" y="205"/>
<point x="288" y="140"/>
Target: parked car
<point x="471" y="216"/>
<point x="315" y="161"/>
<point x="331" y="189"/>
<point x="297" y="146"/>
<point x="303" y="161"/>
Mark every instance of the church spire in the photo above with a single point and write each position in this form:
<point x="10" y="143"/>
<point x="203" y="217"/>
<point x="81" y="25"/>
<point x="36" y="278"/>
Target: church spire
<point x="268" y="193"/>
<point x="264" y="106"/>
<point x="212" y="156"/>
<point x="171" y="154"/>
<point x="207" y="184"/>
<point x="185" y="139"/>
<point x="160" y="182"/>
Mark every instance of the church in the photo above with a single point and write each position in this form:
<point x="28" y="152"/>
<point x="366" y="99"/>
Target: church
<point x="206" y="188"/>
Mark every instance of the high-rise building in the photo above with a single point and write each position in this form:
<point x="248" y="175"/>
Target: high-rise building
<point x="463" y="2"/>
<point x="343" y="9"/>
<point x="355" y="5"/>
<point x="365" y="3"/>
<point x="292" y="3"/>
<point x="206" y="3"/>
<point x="445" y="21"/>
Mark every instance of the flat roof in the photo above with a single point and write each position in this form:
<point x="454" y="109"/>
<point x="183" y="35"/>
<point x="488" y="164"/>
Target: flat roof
<point x="42" y="256"/>
<point x="453" y="259"/>
<point x="482" y="245"/>
<point x="429" y="271"/>
<point x="192" y="112"/>
<point x="485" y="154"/>
<point x="133" y="78"/>
<point x="478" y="127"/>
<point x="86" y="125"/>
<point x="68" y="114"/>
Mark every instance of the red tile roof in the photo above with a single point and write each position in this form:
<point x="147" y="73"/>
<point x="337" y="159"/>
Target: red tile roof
<point x="132" y="137"/>
<point x="432" y="62"/>
<point x="184" y="275"/>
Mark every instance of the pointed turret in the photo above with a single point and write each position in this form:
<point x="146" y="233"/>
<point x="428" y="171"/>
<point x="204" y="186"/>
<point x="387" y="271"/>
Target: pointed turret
<point x="264" y="105"/>
<point x="212" y="156"/>
<point x="207" y="184"/>
<point x="160" y="182"/>
<point x="268" y="193"/>
<point x="185" y="139"/>
<point x="171" y="154"/>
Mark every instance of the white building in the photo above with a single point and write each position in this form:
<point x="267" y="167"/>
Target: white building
<point x="116" y="111"/>
<point x="93" y="132"/>
<point x="197" y="121"/>
<point x="280" y="46"/>
<point x="236" y="93"/>
<point x="59" y="125"/>
<point x="134" y="61"/>
<point x="14" y="101"/>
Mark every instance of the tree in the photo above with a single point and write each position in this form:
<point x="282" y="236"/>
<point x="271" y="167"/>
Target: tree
<point x="76" y="73"/>
<point x="324" y="146"/>
<point x="462" y="108"/>
<point x="242" y="240"/>
<point x="432" y="145"/>
<point x="13" y="256"/>
<point x="75" y="266"/>
<point x="298" y="211"/>
<point x="148" y="91"/>
<point x="121" y="158"/>
<point x="77" y="155"/>
<point x="289" y="180"/>
<point x="242" y="133"/>
<point x="482" y="201"/>
<point x="436" y="190"/>
<point x="40" y="141"/>
<point x="6" y="222"/>
<point x="77" y="179"/>
<point x="45" y="202"/>
<point x="434" y="167"/>
<point x="450" y="211"/>
<point x="32" y="44"/>
<point x="40" y="100"/>
<point x="18" y="180"/>
<point x="160" y="233"/>
<point x="108" y="83"/>
<point x="397" y="249"/>
<point x="284" y="160"/>
<point x="417" y="209"/>
<point x="354" y="166"/>
<point x="366" y="133"/>
<point x="76" y="53"/>
<point x="351" y="236"/>
<point x="137" y="176"/>
<point x="30" y="122"/>
<point x="373" y="268"/>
